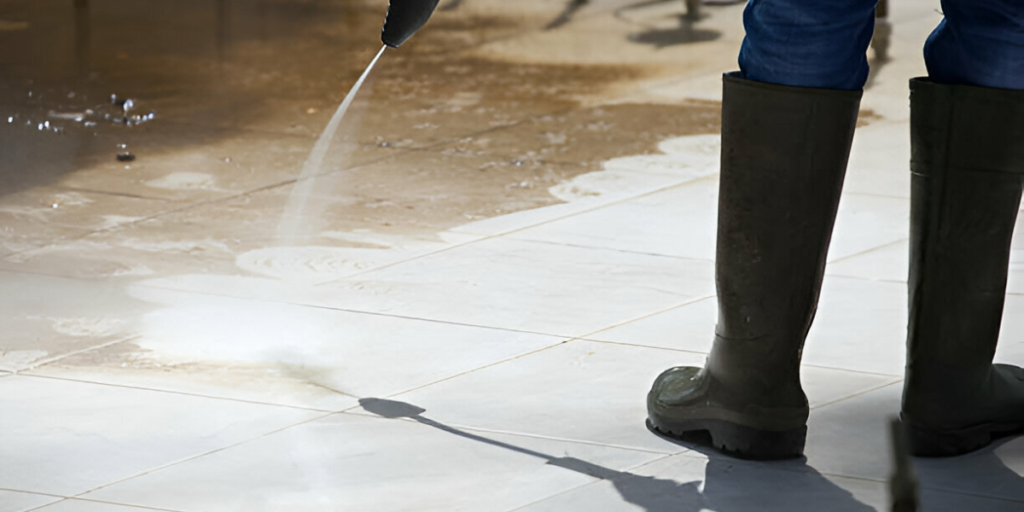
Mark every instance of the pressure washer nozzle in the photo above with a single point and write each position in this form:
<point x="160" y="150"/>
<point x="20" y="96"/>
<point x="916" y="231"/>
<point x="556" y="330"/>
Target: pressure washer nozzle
<point x="405" y="18"/>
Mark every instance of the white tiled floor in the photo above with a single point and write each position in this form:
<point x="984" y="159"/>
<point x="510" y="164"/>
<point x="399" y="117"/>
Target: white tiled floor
<point x="65" y="437"/>
<point x="361" y="463"/>
<point x="192" y="363"/>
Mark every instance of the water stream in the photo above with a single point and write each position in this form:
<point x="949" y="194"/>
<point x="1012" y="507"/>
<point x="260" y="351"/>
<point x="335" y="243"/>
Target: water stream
<point x="296" y="205"/>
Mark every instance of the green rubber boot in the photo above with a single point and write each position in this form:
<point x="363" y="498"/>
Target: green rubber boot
<point x="968" y="162"/>
<point x="784" y="155"/>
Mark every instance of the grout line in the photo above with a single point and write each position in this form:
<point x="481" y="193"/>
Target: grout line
<point x="198" y="456"/>
<point x="474" y="370"/>
<point x="595" y="481"/>
<point x="179" y="393"/>
<point x="55" y="359"/>
<point x="40" y="507"/>
<point x="859" y="394"/>
<point x="484" y="238"/>
<point x="613" y="249"/>
<point x="356" y="311"/>
<point x="586" y="337"/>
<point x="33" y="492"/>
<point x="142" y="507"/>
<point x="869" y="251"/>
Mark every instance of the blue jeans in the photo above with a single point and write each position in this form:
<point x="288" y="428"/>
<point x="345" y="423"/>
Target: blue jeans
<point x="823" y="43"/>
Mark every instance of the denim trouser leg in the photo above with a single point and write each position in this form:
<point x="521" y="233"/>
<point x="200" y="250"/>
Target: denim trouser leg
<point x="981" y="42"/>
<point x="809" y="43"/>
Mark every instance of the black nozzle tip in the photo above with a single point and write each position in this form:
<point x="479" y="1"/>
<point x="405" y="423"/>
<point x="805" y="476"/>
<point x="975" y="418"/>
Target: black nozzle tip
<point x="405" y="18"/>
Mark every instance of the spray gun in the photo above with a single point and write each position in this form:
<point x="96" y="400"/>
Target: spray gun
<point x="405" y="18"/>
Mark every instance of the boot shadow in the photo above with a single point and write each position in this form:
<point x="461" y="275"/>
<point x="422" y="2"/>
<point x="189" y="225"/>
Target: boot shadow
<point x="983" y="473"/>
<point x="688" y="31"/>
<point x="729" y="485"/>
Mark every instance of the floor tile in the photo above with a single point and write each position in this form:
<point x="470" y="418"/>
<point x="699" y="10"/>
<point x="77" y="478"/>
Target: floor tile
<point x="676" y="222"/>
<point x="65" y="437"/>
<point x="887" y="263"/>
<point x="47" y="317"/>
<point x="587" y="391"/>
<point x="690" y="327"/>
<point x="526" y="286"/>
<point x="681" y="221"/>
<point x="283" y="354"/>
<point x="891" y="263"/>
<point x="681" y="160"/>
<point x="509" y="284"/>
<point x="859" y="326"/>
<point x="880" y="160"/>
<point x="848" y="437"/>
<point x="361" y="463"/>
<point x="11" y="501"/>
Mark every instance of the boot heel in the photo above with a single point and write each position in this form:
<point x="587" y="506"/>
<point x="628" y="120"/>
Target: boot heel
<point x="738" y="441"/>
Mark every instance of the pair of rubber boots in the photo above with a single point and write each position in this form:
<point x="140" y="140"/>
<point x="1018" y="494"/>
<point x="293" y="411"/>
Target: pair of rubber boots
<point x="784" y="157"/>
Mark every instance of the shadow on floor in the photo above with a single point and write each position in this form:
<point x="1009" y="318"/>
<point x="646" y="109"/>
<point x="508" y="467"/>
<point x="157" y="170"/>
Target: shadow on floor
<point x="729" y="485"/>
<point x="686" y="32"/>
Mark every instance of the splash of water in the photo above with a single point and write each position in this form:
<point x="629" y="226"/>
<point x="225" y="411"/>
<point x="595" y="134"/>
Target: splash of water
<point x="306" y="182"/>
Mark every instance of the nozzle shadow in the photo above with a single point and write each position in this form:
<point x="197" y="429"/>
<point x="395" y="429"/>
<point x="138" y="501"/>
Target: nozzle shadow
<point x="728" y="485"/>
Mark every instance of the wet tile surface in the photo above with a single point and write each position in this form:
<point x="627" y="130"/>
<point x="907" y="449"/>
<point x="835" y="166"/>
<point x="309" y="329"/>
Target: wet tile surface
<point x="65" y="437"/>
<point x="587" y="391"/>
<point x="362" y="463"/>
<point x="46" y="318"/>
<point x="283" y="354"/>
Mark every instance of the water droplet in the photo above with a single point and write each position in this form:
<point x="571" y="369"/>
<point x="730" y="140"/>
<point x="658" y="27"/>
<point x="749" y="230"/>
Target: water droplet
<point x="55" y="206"/>
<point x="122" y="146"/>
<point x="518" y="163"/>
<point x="129" y="104"/>
<point x="385" y="144"/>
<point x="10" y="120"/>
<point x="227" y="160"/>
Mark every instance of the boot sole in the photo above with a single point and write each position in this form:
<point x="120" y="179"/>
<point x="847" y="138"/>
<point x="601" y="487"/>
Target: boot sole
<point x="736" y="440"/>
<point x="951" y="443"/>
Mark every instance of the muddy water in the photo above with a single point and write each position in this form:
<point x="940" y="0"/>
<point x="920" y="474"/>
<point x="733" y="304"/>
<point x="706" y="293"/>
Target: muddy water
<point x="214" y="71"/>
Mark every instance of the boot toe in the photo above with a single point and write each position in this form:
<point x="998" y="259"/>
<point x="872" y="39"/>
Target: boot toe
<point x="678" y="386"/>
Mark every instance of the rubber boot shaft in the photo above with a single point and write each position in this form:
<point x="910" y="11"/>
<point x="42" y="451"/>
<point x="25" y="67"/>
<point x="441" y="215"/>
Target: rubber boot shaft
<point x="405" y="18"/>
<point x="784" y="156"/>
<point x="967" y="161"/>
